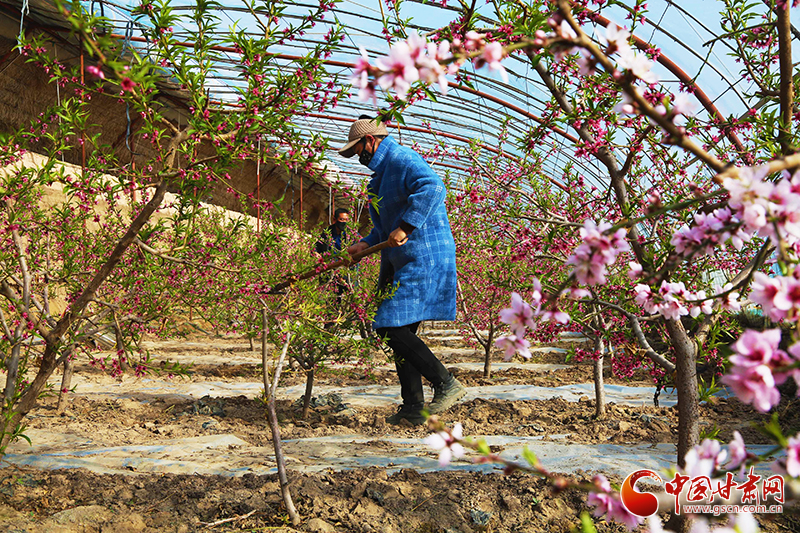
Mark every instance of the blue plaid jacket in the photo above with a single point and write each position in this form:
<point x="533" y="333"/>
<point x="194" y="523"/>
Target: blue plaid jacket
<point x="424" y="268"/>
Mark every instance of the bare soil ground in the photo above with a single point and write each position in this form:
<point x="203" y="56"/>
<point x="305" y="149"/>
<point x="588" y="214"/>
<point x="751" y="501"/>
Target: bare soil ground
<point x="366" y="500"/>
<point x="357" y="501"/>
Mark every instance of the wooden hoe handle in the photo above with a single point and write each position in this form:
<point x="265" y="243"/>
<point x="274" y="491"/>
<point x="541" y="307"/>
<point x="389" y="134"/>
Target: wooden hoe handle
<point x="342" y="262"/>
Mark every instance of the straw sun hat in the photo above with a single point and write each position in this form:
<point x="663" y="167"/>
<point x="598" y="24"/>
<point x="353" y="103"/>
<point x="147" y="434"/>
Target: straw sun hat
<point x="360" y="129"/>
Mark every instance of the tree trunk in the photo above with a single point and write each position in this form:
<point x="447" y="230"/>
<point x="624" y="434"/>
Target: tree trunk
<point x="686" y="385"/>
<point x="273" y="418"/>
<point x="487" y="356"/>
<point x="281" y="462"/>
<point x="264" y="372"/>
<point x="119" y="343"/>
<point x="12" y="366"/>
<point x="73" y="313"/>
<point x="487" y="361"/>
<point x="600" y="349"/>
<point x="309" y="389"/>
<point x="599" y="388"/>
<point x="29" y="397"/>
<point x="66" y="381"/>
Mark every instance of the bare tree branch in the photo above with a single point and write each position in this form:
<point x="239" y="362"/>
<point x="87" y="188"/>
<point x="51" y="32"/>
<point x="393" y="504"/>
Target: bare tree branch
<point x="162" y="255"/>
<point x="603" y="154"/>
<point x="633" y="321"/>
<point x="5" y="325"/>
<point x="475" y="332"/>
<point x="740" y="279"/>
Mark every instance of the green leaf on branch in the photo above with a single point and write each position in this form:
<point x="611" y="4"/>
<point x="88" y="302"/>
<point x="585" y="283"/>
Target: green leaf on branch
<point x="431" y="94"/>
<point x="483" y="448"/>
<point x="587" y="524"/>
<point x="773" y="429"/>
<point x="530" y="457"/>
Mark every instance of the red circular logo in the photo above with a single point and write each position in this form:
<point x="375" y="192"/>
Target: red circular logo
<point x="639" y="503"/>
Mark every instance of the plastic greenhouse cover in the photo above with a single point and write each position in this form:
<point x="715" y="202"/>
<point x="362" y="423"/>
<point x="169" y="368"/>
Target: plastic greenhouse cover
<point x="683" y="30"/>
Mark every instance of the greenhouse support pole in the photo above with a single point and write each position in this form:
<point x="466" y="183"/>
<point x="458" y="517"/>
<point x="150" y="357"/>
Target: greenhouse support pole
<point x="301" y="201"/>
<point x="786" y="81"/>
<point x="83" y="137"/>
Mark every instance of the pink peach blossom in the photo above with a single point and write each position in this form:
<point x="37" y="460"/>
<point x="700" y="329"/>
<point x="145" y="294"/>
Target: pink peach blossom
<point x="399" y="71"/>
<point x="511" y="344"/>
<point x="519" y="316"/>
<point x="754" y="385"/>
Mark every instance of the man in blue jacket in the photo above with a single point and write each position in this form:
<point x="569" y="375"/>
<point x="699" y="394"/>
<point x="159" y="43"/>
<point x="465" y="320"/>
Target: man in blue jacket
<point x="420" y="263"/>
<point x="331" y="238"/>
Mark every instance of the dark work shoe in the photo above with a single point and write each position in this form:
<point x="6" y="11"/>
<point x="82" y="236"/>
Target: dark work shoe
<point x="446" y="395"/>
<point x="410" y="413"/>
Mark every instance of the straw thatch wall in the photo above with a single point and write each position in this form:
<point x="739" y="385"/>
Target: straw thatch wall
<point x="53" y="196"/>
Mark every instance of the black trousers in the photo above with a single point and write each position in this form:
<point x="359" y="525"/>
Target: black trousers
<point x="413" y="360"/>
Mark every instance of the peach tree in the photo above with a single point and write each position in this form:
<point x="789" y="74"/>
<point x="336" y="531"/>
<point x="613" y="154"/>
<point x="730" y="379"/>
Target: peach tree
<point x="116" y="255"/>
<point x="694" y="213"/>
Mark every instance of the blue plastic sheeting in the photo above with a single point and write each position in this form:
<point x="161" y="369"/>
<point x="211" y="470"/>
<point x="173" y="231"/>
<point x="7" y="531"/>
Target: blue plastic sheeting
<point x="232" y="456"/>
<point x="365" y="396"/>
